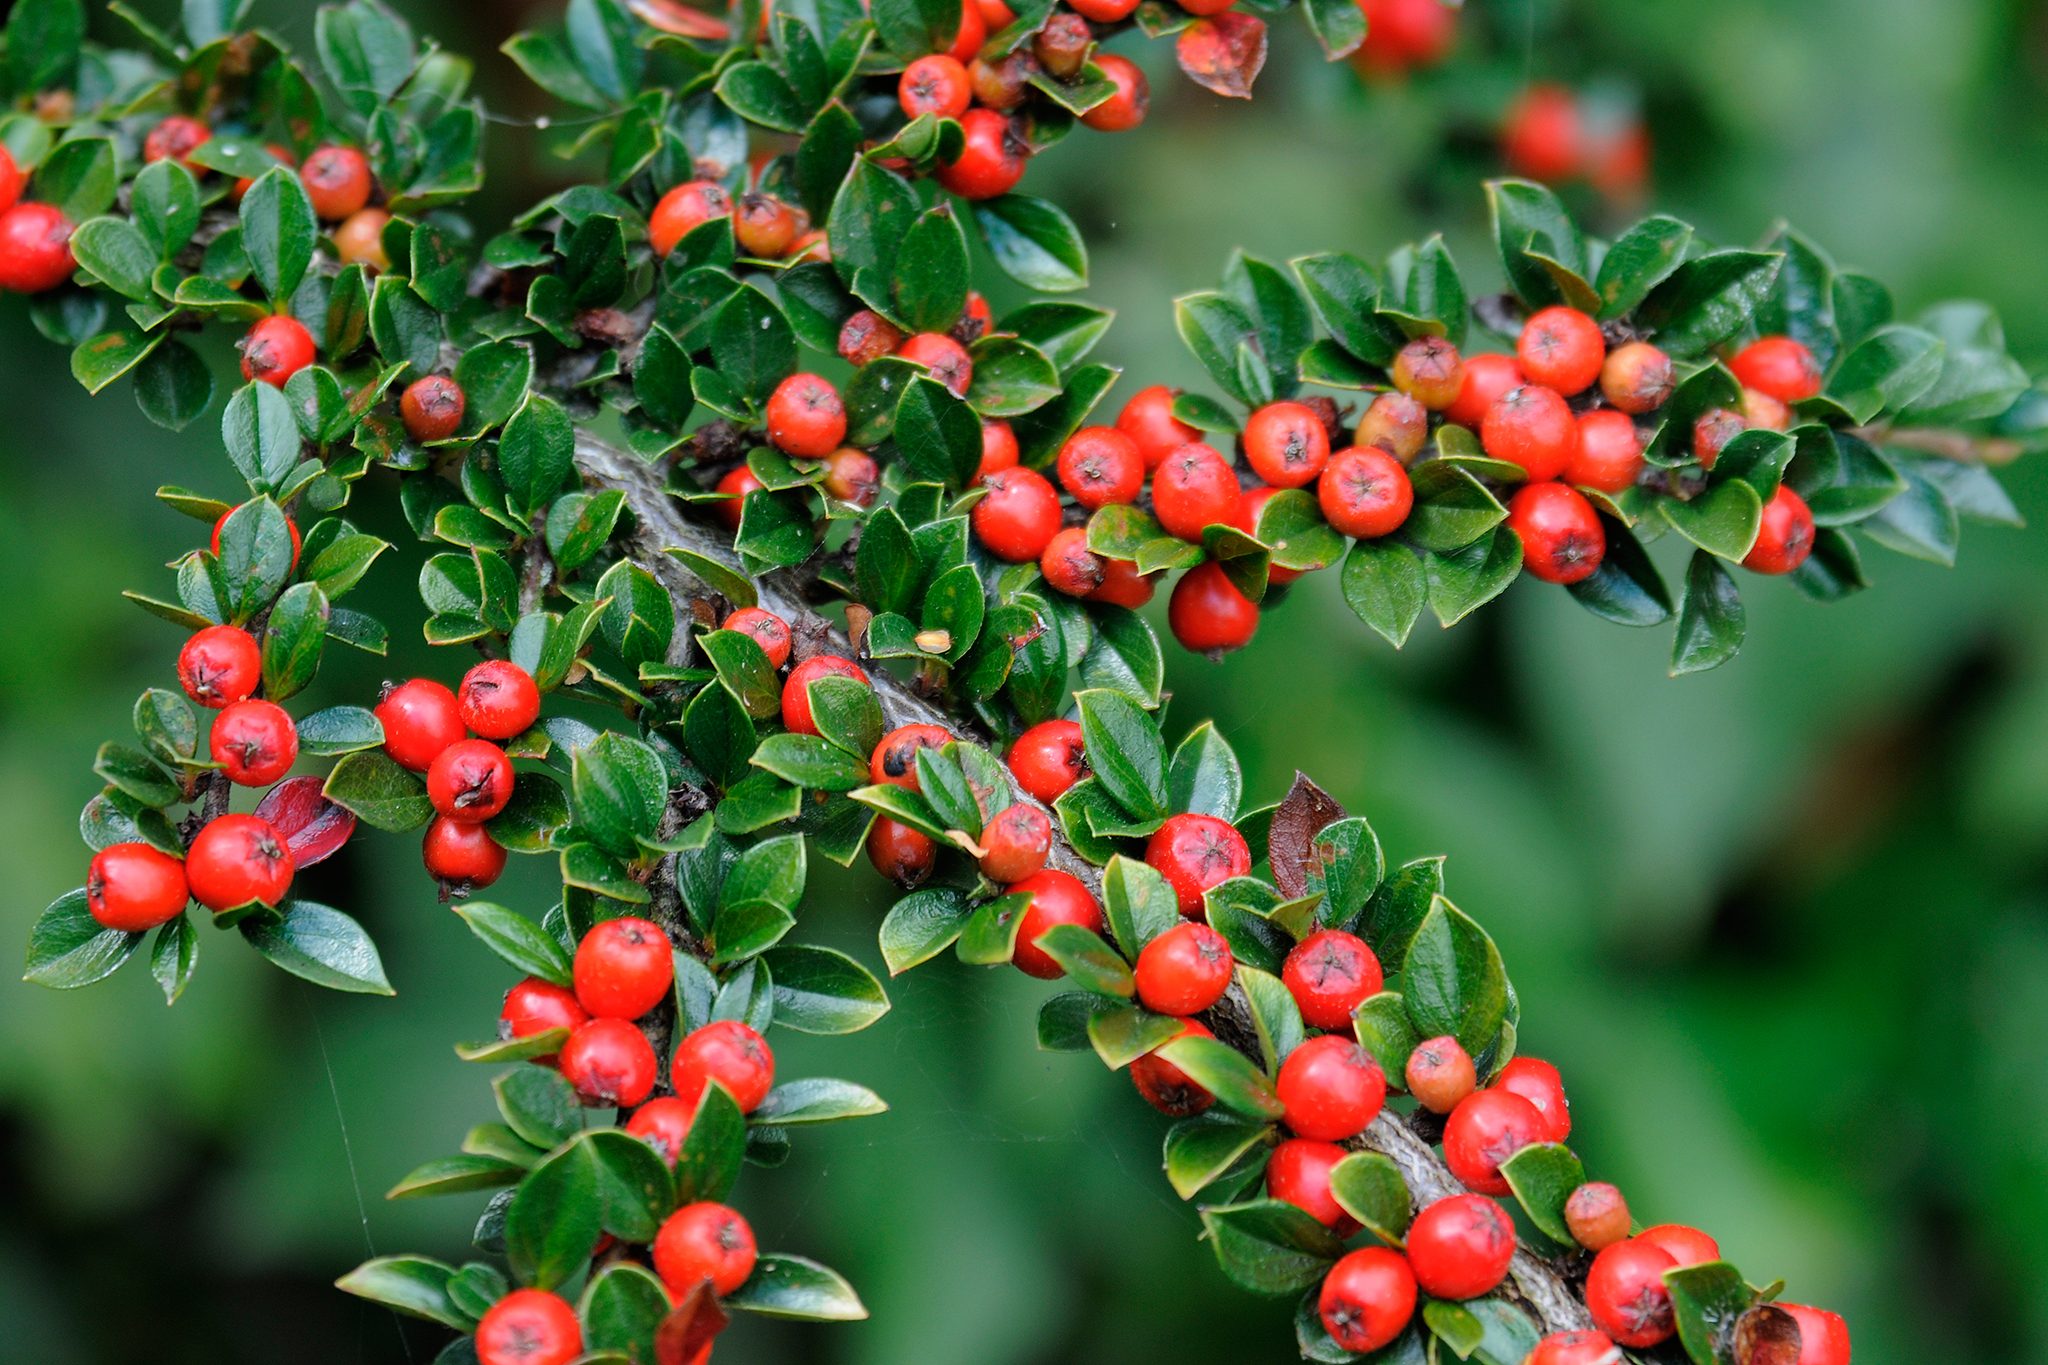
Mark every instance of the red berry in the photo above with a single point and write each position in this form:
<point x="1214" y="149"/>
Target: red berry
<point x="1712" y="430"/>
<point x="237" y="859"/>
<point x="764" y="227"/>
<point x="737" y="483"/>
<point x="945" y="358"/>
<point x="704" y="1242"/>
<point x="470" y="780"/>
<point x="1185" y="970"/>
<point x="1488" y="378"/>
<point x="360" y="240"/>
<point x="1286" y="444"/>
<point x="968" y="38"/>
<point x="1192" y="488"/>
<point x="894" y="760"/>
<point x="1764" y="413"/>
<point x="431" y="408"/>
<point x="1636" y="378"/>
<point x="934" y="85"/>
<point x="1487" y="1128"/>
<point x="1562" y="539"/>
<point x="1148" y="419"/>
<point x="1367" y="1298"/>
<point x="1626" y="1295"/>
<point x="1018" y="517"/>
<point x="1561" y="348"/>
<point x="664" y="1125"/>
<point x="998" y="449"/>
<point x="1331" y="1088"/>
<point x="1056" y="898"/>
<point x="175" y="139"/>
<point x="1365" y="493"/>
<point x="867" y="336"/>
<point x="978" y="313"/>
<point x="1194" y="853"/>
<point x="1331" y="973"/>
<point x="1049" y="758"/>
<point x="498" y="699"/>
<point x="1610" y="453"/>
<point x="1100" y="466"/>
<point x="1299" y="1173"/>
<point x="1537" y="1081"/>
<point x="220" y="665"/>
<point x="1460" y="1246"/>
<point x="687" y="206"/>
<point x="1575" y="1348"/>
<point x="796" y="689"/>
<point x="12" y="179"/>
<point x="1248" y="510"/>
<point x="133" y="887"/>
<point x="1778" y="366"/>
<point x="1439" y="1074"/>
<point x="1533" y="427"/>
<point x="461" y="855"/>
<point x="1123" y="586"/>
<point x="1406" y="33"/>
<point x="902" y="854"/>
<point x="291" y="527"/>
<point x="1125" y="109"/>
<point x="1429" y="370"/>
<point x="276" y="349"/>
<point x="805" y="417"/>
<point x="851" y="475"/>
<point x="1165" y="1086"/>
<point x="1208" y="614"/>
<point x="1395" y="423"/>
<point x="610" y="1063"/>
<point x="254" y="742"/>
<point x="991" y="161"/>
<point x="337" y="181"/>
<point x="1069" y="566"/>
<point x="1018" y="839"/>
<point x="529" y="1327"/>
<point x="420" y="719"/>
<point x="730" y="1053"/>
<point x="624" y="968"/>
<point x="537" y="1006"/>
<point x="765" y="628"/>
<point x="35" y="248"/>
<point x="1823" y="1336"/>
<point x="1784" y="538"/>
<point x="1104" y="11"/>
<point x="1597" y="1215"/>
<point x="1541" y="138"/>
<point x="1685" y="1245"/>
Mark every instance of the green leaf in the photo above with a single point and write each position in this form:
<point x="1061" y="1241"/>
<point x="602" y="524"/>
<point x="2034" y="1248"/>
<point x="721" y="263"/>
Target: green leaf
<point x="1543" y="1176"/>
<point x="1707" y="1299"/>
<point x="134" y="774"/>
<point x="1452" y="509"/>
<point x="622" y="1310"/>
<point x="930" y="284"/>
<point x="1225" y="1073"/>
<point x="752" y="344"/>
<point x="1368" y="1186"/>
<point x="1639" y="260"/>
<point x="173" y="385"/>
<point x="1384" y="586"/>
<point x="174" y="957"/>
<point x="68" y="948"/>
<point x="819" y="990"/>
<point x="713" y="1149"/>
<point x="1011" y="378"/>
<point x="101" y="360"/>
<point x="1708" y="299"/>
<point x="456" y="1175"/>
<point x="536" y="454"/>
<point x="379" y="792"/>
<point x="279" y="231"/>
<point x="262" y="436"/>
<point x="1461" y="583"/>
<point x="1627" y="588"/>
<point x="923" y="925"/>
<point x="1711" y="620"/>
<point x="294" y="640"/>
<point x="618" y="790"/>
<point x="114" y="251"/>
<point x="413" y="1285"/>
<point x="1120" y="1034"/>
<point x="319" y="944"/>
<point x="1201" y="1149"/>
<point x="1530" y="226"/>
<point x="1204" y="777"/>
<point x="792" y="1287"/>
<point x="1033" y="242"/>
<point x="1453" y="981"/>
<point x="1270" y="1247"/>
<point x="518" y="940"/>
<point x="1381" y="1024"/>
<point x="81" y="176"/>
<point x="817" y="1099"/>
<point x="1088" y="962"/>
<point x="538" y="1105"/>
<point x="937" y="434"/>
<point x="1125" y="750"/>
<point x="1217" y="330"/>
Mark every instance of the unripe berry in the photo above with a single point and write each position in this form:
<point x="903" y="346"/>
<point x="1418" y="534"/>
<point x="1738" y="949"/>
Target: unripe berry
<point x="687" y="206"/>
<point x="537" y="1006"/>
<point x="529" y="1327"/>
<point x="765" y="628"/>
<point x="1365" y="493"/>
<point x="1004" y="83"/>
<point x="1367" y="1298"/>
<point x="609" y="1063"/>
<point x="1610" y="453"/>
<point x="276" y="349"/>
<point x="35" y="248"/>
<point x="1192" y="488"/>
<point x="1684" y="1245"/>
<point x="704" y="1242"/>
<point x="1298" y="1172"/>
<point x="991" y="160"/>
<point x="1487" y="1128"/>
<point x="133" y="887"/>
<point x="764" y="227"/>
<point x="431" y="408"/>
<point x="730" y="1053"/>
<point x="796" y="689"/>
<point x="1285" y="444"/>
<point x="623" y="968"/>
<point x="1100" y="466"/>
<point x="1562" y="539"/>
<point x="1018" y="517"/>
<point x="1626" y="1295"/>
<point x="1185" y="970"/>
<point x="360" y="240"/>
<point x="1440" y="1074"/>
<point x="461" y="855"/>
<point x="1061" y="44"/>
<point x="1331" y="1089"/>
<point x="1823" y="1336"/>
<point x="736" y="484"/>
<point x="175" y="139"/>
<point x="1331" y="973"/>
<point x="902" y="854"/>
<point x="1761" y="412"/>
<point x="254" y="742"/>
<point x="1575" y="1348"/>
<point x="1636" y="378"/>
<point x="337" y="181"/>
<point x="1069" y="566"/>
<point x="805" y="417"/>
<point x="1148" y="419"/>
<point x="1460" y="1246"/>
<point x="498" y="699"/>
<point x="237" y="859"/>
<point x="1488" y="378"/>
<point x="470" y="781"/>
<point x="420" y="719"/>
<point x="1248" y="509"/>
<point x="1125" y="109"/>
<point x="220" y="665"/>
<point x="1048" y="758"/>
<point x="1537" y="1081"/>
<point x="867" y="336"/>
<point x="998" y="449"/>
<point x="1597" y="1215"/>
<point x="1561" y="348"/>
<point x="935" y="85"/>
<point x="945" y="358"/>
<point x="664" y="1125"/>
<point x="1395" y="423"/>
<point x="1429" y="370"/>
<point x="1541" y="138"/>
<point x="1165" y="1086"/>
<point x="1208" y="614"/>
<point x="1712" y="430"/>
<point x="1195" y="853"/>
<point x="1056" y="898"/>
<point x="894" y="760"/>
<point x="1784" y="536"/>
<point x="1531" y="426"/>
<point x="851" y="475"/>
<point x="1123" y="586"/>
<point x="1779" y="366"/>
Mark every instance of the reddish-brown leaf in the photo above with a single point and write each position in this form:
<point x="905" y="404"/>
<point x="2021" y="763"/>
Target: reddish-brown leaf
<point x="1291" y="843"/>
<point x="313" y="826"/>
<point x="684" y="1337"/>
<point x="1224" y="52"/>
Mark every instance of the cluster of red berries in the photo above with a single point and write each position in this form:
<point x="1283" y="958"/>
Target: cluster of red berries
<point x="35" y="238"/>
<point x="1553" y="135"/>
<point x="763" y="226"/>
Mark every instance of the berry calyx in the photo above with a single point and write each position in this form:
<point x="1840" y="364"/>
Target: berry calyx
<point x="431" y="408"/>
<point x="236" y="860"/>
<point x="537" y="1006"/>
<point x="623" y="968"/>
<point x="1367" y="1298"/>
<point x="1331" y="973"/>
<point x="935" y="85"/>
<point x="529" y="1327"/>
<point x="894" y="760"/>
<point x="1597" y="1215"/>
<point x="1208" y="614"/>
<point x="175" y="139"/>
<point x="1165" y="1086"/>
<point x="1636" y="378"/>
<point x="1823" y="1336"/>
<point x="1460" y="1246"/>
<point x="1575" y="1348"/>
<point x="219" y="666"/>
<point x="663" y="1123"/>
<point x="945" y="358"/>
<point x="1049" y="758"/>
<point x="1488" y="379"/>
<point x="337" y="181"/>
<point x="1100" y="466"/>
<point x="1056" y="898"/>
<point x="902" y="854"/>
<point x="991" y="159"/>
<point x="1365" y="493"/>
<point x="1148" y="419"/>
<point x="688" y="206"/>
<point x="1562" y="539"/>
<point x="1285" y="444"/>
<point x="1487" y="1128"/>
<point x="765" y="628"/>
<point x="1778" y="366"/>
<point x="1784" y="536"/>
<point x="805" y="417"/>
<point x="461" y="855"/>
<point x="1685" y="1245"/>
<point x="133" y="887"/>
<point x="254" y="742"/>
<point x="1192" y="488"/>
<point x="704" y="1243"/>
<point x="730" y="1053"/>
<point x="796" y="689"/>
<point x="1562" y="349"/>
<point x="1429" y="370"/>
<point x="276" y="349"/>
<point x="1626" y="1295"/>
<point x="1018" y="517"/>
<point x="498" y="699"/>
<point x="1299" y="1173"/>
<point x="1194" y="853"/>
<point x="1537" y="1081"/>
<point x="1185" y="970"/>
<point x="1440" y="1074"/>
<point x="1017" y="839"/>
<point x="1125" y="109"/>
<point x="1331" y="1089"/>
<point x="35" y="248"/>
<point x="609" y="1063"/>
<point x="1069" y="566"/>
<point x="1533" y="427"/>
<point x="1610" y="453"/>
<point x="470" y="780"/>
<point x="420" y="719"/>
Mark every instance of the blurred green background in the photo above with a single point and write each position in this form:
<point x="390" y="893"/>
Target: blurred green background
<point x="1782" y="926"/>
